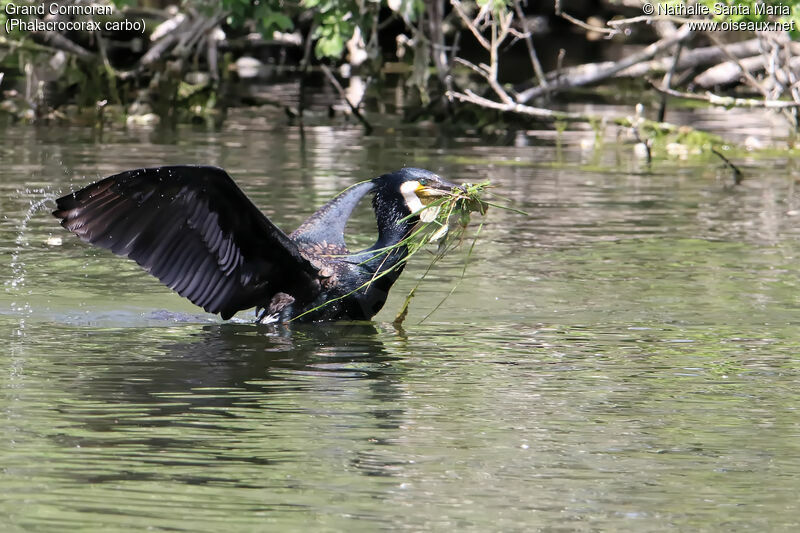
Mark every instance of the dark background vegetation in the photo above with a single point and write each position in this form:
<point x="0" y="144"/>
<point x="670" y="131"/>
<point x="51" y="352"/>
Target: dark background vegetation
<point x="483" y="64"/>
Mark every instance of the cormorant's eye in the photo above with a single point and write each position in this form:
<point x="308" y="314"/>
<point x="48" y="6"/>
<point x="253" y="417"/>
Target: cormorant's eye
<point x="423" y="182"/>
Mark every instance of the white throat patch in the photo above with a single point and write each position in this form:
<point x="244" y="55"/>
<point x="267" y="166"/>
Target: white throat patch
<point x="408" y="190"/>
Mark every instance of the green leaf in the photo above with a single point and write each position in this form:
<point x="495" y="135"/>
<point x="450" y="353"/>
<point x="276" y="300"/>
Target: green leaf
<point x="271" y="19"/>
<point x="332" y="46"/>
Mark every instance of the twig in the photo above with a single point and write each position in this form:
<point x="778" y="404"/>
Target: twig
<point x="343" y="95"/>
<point x="500" y="27"/>
<point x="497" y="39"/>
<point x="737" y="174"/>
<point x="483" y="71"/>
<point x="513" y="107"/>
<point x="454" y="48"/>
<point x="682" y="34"/>
<point x="472" y="66"/>
<point x="649" y="19"/>
<point x="459" y="9"/>
<point x="537" y="66"/>
<point x="582" y="24"/>
<point x="589" y="27"/>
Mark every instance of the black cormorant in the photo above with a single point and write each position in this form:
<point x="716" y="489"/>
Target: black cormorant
<point x="197" y="232"/>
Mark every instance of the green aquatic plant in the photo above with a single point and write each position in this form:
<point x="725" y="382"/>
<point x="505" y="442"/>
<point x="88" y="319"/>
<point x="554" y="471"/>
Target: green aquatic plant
<point x="448" y="227"/>
<point x="443" y="222"/>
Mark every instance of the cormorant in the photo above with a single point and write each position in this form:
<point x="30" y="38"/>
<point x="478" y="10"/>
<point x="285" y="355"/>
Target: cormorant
<point x="197" y="232"/>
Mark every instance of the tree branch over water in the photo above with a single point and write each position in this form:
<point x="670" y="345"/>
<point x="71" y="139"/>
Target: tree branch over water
<point x="727" y="101"/>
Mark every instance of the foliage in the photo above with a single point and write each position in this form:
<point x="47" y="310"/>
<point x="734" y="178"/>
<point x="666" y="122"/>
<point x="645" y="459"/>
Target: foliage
<point x="14" y="34"/>
<point x="436" y="41"/>
<point x="266" y="15"/>
<point x="336" y="24"/>
<point x="269" y="15"/>
<point x="335" y="21"/>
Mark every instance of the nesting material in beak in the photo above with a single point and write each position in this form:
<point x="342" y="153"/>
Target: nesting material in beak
<point x="426" y="196"/>
<point x="417" y="196"/>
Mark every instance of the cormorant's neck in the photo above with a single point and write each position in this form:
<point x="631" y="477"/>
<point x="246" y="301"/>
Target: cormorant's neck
<point x="328" y="223"/>
<point x="390" y="210"/>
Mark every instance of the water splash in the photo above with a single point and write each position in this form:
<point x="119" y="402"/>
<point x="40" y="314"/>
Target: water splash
<point x="40" y="197"/>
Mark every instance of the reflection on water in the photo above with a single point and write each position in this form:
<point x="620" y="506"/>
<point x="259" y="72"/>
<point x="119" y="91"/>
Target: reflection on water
<point x="622" y="359"/>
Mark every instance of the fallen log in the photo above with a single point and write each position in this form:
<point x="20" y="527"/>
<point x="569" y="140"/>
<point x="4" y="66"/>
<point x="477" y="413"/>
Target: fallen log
<point x="603" y="71"/>
<point x="729" y="72"/>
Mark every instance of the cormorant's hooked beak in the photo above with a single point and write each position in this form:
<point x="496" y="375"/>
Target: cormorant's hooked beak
<point x="430" y="192"/>
<point x="425" y="191"/>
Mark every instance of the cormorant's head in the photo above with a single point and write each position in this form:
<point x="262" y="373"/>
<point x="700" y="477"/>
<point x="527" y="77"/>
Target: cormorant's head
<point x="417" y="188"/>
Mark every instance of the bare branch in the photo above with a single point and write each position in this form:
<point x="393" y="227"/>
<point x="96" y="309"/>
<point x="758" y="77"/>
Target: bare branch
<point x="588" y="27"/>
<point x="537" y="66"/>
<point x="485" y="73"/>
<point x="737" y="174"/>
<point x="343" y="95"/>
<point x="649" y="19"/>
<point x="459" y="9"/>
<point x="472" y="66"/>
<point x="727" y="101"/>
<point x="513" y="107"/>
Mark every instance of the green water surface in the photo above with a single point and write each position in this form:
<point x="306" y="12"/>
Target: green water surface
<point x="623" y="359"/>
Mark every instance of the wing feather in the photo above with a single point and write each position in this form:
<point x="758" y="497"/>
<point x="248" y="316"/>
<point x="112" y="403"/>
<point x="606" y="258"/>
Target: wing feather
<point x="192" y="228"/>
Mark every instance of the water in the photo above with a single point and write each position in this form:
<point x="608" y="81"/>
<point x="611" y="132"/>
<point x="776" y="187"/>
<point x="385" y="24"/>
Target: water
<point x="625" y="358"/>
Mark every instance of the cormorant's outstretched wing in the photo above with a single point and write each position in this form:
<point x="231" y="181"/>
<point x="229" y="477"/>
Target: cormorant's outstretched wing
<point x="325" y="228"/>
<point x="192" y="228"/>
